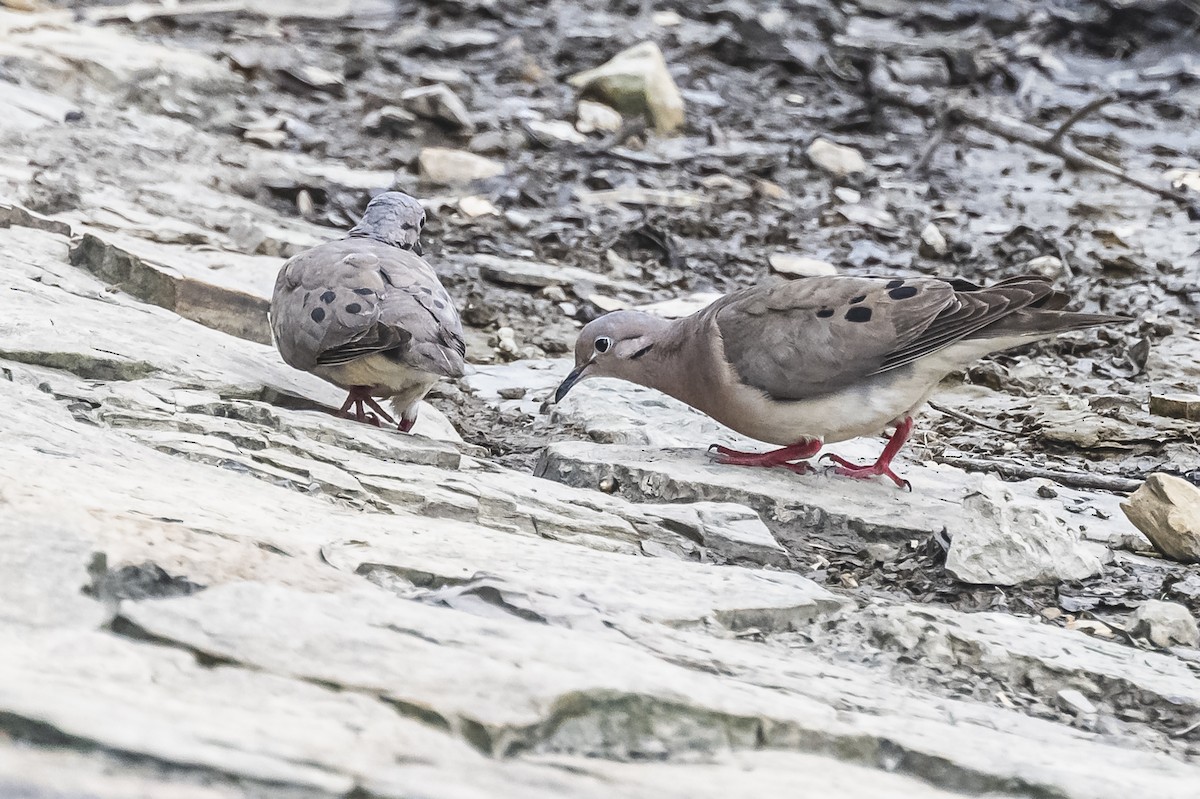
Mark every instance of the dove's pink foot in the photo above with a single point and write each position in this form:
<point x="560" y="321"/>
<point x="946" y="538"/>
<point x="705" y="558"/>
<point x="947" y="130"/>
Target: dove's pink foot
<point x="406" y="423"/>
<point x="776" y="457"/>
<point x="884" y="464"/>
<point x="357" y="397"/>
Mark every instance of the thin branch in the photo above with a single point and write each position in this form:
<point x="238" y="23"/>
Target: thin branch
<point x="939" y="135"/>
<point x="970" y="112"/>
<point x="1078" y="116"/>
<point x="966" y="417"/>
<point x="1100" y="482"/>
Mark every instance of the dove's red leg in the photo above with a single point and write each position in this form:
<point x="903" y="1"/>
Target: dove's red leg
<point x="776" y="457"/>
<point x="884" y="464"/>
<point x="356" y="398"/>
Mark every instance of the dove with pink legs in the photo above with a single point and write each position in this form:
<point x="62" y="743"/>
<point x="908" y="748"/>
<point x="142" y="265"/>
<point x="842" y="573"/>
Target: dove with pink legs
<point x="810" y="362"/>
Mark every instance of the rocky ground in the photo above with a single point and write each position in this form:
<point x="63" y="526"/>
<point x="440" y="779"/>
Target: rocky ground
<point x="212" y="588"/>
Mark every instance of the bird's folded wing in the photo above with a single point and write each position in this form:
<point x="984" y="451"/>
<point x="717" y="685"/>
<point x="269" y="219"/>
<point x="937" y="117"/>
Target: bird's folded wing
<point x="417" y="303"/>
<point x="349" y="299"/>
<point x="809" y="337"/>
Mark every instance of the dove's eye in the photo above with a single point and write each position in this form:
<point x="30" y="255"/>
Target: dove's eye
<point x="602" y="344"/>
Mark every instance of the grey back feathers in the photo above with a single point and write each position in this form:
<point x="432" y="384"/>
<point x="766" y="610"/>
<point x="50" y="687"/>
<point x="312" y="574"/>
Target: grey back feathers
<point x="368" y="294"/>
<point x="809" y="337"/>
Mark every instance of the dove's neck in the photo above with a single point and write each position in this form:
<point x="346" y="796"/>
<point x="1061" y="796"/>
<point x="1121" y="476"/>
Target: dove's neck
<point x="403" y="239"/>
<point x="680" y="364"/>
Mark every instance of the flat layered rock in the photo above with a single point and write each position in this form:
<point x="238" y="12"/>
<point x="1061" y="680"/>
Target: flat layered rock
<point x="797" y="507"/>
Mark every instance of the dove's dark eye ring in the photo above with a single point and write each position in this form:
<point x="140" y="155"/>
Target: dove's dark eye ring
<point x="603" y="344"/>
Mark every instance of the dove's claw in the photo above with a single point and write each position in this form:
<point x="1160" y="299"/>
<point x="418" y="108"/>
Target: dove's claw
<point x="883" y="466"/>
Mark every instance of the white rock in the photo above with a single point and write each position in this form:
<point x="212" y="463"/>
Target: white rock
<point x="836" y="159"/>
<point x="440" y="103"/>
<point x="679" y="307"/>
<point x="666" y="19"/>
<point x="933" y="243"/>
<point x="1165" y="624"/>
<point x="1008" y="541"/>
<point x="606" y="303"/>
<point x="848" y="195"/>
<point x="591" y="117"/>
<point x="455" y="167"/>
<point x="636" y="81"/>
<point x="506" y="340"/>
<point x="1183" y="179"/>
<point x="799" y="266"/>
<point x="1045" y="265"/>
<point x="557" y="130"/>
<point x="476" y="206"/>
<point x="1167" y="509"/>
<point x="1074" y="701"/>
<point x="554" y="293"/>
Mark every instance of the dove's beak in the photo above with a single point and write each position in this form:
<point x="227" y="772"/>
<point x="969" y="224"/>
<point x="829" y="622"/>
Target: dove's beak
<point x="416" y="248"/>
<point x="573" y="378"/>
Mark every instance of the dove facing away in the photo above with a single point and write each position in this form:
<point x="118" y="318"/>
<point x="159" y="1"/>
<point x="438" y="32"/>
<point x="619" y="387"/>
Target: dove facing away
<point x="819" y="360"/>
<point x="369" y="315"/>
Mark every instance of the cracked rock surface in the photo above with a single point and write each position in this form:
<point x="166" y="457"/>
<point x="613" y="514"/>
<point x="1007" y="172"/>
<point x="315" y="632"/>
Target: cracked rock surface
<point x="211" y="588"/>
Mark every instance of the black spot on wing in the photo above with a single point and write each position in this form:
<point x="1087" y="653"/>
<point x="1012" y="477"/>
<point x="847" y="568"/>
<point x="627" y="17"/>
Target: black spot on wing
<point x="892" y="284"/>
<point x="903" y="292"/>
<point x="825" y="313"/>
<point x="858" y="299"/>
<point x="364" y="292"/>
<point x="353" y="307"/>
<point x="329" y="296"/>
<point x="318" y="315"/>
<point x="859" y="314"/>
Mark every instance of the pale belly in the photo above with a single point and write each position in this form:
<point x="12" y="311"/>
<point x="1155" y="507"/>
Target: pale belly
<point x="386" y="378"/>
<point x="863" y="410"/>
<point x="866" y="408"/>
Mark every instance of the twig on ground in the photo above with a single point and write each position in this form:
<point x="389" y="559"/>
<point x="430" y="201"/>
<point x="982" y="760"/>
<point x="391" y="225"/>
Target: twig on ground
<point x="968" y="418"/>
<point x="1099" y="482"/>
<point x="971" y="112"/>
<point x="1078" y="116"/>
<point x="939" y="135"/>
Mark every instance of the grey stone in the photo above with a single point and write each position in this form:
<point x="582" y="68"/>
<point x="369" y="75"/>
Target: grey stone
<point x="455" y="167"/>
<point x="1031" y="656"/>
<point x="1165" y="624"/>
<point x="440" y="103"/>
<point x="733" y="530"/>
<point x="1004" y="541"/>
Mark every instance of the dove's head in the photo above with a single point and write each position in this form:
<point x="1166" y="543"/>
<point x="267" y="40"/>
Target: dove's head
<point x="393" y="218"/>
<point x="615" y="345"/>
